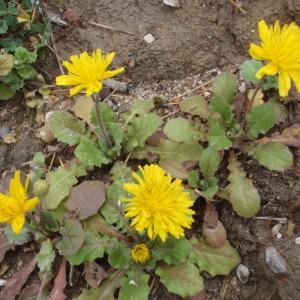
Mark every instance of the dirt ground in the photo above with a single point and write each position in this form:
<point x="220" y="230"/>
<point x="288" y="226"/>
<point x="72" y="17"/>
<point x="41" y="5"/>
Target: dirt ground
<point x="191" y="44"/>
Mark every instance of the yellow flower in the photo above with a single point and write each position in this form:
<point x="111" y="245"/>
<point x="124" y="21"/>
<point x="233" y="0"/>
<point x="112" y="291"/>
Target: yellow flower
<point x="140" y="253"/>
<point x="158" y="205"/>
<point x="87" y="71"/>
<point x="281" y="48"/>
<point x="16" y="204"/>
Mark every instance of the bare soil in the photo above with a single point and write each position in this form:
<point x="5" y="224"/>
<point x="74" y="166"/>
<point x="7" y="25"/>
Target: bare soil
<point x="191" y="44"/>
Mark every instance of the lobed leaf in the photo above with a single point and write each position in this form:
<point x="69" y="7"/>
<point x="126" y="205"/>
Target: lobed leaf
<point x="46" y="256"/>
<point x="249" y="69"/>
<point x="196" y="106"/>
<point x="225" y="87"/>
<point x="183" y="130"/>
<point x="215" y="261"/>
<point x="274" y="156"/>
<point x="217" y="136"/>
<point x="241" y="192"/>
<point x="183" y="280"/>
<point x="209" y="161"/>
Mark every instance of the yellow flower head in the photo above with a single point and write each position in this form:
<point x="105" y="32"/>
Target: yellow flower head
<point x="140" y="253"/>
<point x="281" y="48"/>
<point x="158" y="205"/>
<point x="16" y="204"/>
<point x="87" y="71"/>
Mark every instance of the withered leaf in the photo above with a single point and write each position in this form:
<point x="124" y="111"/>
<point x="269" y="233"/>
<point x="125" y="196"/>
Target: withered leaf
<point x="30" y="292"/>
<point x="94" y="274"/>
<point x="289" y="137"/>
<point x="86" y="198"/>
<point x="15" y="283"/>
<point x="60" y="283"/>
<point x="4" y="246"/>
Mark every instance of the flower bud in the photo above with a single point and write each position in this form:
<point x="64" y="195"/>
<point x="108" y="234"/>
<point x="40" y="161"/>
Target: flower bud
<point x="40" y="188"/>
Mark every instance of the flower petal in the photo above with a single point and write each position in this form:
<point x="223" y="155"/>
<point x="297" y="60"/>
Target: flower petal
<point x="269" y="69"/>
<point x="108" y="74"/>
<point x="18" y="223"/>
<point x="264" y="32"/>
<point x="257" y="52"/>
<point x="295" y="75"/>
<point x="31" y="204"/>
<point x="284" y="83"/>
<point x="77" y="89"/>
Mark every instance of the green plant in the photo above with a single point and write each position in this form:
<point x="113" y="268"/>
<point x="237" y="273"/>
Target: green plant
<point x="23" y="35"/>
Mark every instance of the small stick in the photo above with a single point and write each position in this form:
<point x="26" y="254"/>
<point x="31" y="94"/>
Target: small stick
<point x="106" y="99"/>
<point x="52" y="161"/>
<point x="283" y="220"/>
<point x="127" y="158"/>
<point x="192" y="90"/>
<point x="170" y="114"/>
<point x="60" y="161"/>
<point x="110" y="28"/>
<point x="237" y="6"/>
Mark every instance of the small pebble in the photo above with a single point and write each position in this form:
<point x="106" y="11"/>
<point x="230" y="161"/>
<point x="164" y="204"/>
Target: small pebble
<point x="206" y="94"/>
<point x="275" y="261"/>
<point x="173" y="3"/>
<point x="297" y="240"/>
<point x="3" y="282"/>
<point x="242" y="273"/>
<point x="149" y="38"/>
<point x="242" y="88"/>
<point x="4" y="131"/>
<point x="279" y="236"/>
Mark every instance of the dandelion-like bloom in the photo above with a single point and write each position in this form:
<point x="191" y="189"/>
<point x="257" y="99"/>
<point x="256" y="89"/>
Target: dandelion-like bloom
<point x="158" y="205"/>
<point x="140" y="253"/>
<point x="281" y="48"/>
<point x="87" y="71"/>
<point x="16" y="204"/>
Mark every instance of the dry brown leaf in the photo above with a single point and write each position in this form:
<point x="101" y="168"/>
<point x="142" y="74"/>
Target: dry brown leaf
<point x="83" y="108"/>
<point x="15" y="283"/>
<point x="213" y="230"/>
<point x="200" y="296"/>
<point x="9" y="138"/>
<point x="258" y="100"/>
<point x="30" y="292"/>
<point x="289" y="137"/>
<point x="86" y="198"/>
<point x="155" y="138"/>
<point x="60" y="283"/>
<point x="4" y="246"/>
<point x="40" y="116"/>
<point x="94" y="274"/>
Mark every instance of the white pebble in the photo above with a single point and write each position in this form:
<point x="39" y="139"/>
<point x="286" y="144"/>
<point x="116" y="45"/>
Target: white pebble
<point x="297" y="240"/>
<point x="173" y="3"/>
<point x="206" y="94"/>
<point x="149" y="38"/>
<point x="242" y="273"/>
<point x="3" y="282"/>
<point x="242" y="88"/>
<point x="275" y="261"/>
<point x="279" y="236"/>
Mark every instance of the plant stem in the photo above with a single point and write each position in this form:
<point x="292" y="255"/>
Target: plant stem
<point x="101" y="123"/>
<point x="243" y="123"/>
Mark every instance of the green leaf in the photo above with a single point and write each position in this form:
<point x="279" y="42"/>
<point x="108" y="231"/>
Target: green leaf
<point x="225" y="86"/>
<point x="88" y="153"/>
<point x="7" y="62"/>
<point x="134" y="286"/>
<point x="46" y="256"/>
<point x="241" y="192"/>
<point x="120" y="175"/>
<point x="93" y="247"/>
<point x="49" y="221"/>
<point x="183" y="130"/>
<point x="183" y="280"/>
<point x="261" y="118"/>
<point x="119" y="255"/>
<point x="217" y="136"/>
<point x="172" y="251"/>
<point x="60" y="183"/>
<point x="138" y="108"/>
<point x="7" y="91"/>
<point x="66" y="128"/>
<point x="139" y="129"/>
<point x="215" y="261"/>
<point x="196" y="106"/>
<point x="249" y="69"/>
<point x="27" y="72"/>
<point x="3" y="27"/>
<point x="219" y="105"/>
<point x="210" y="188"/>
<point x="193" y="179"/>
<point x="72" y="237"/>
<point x="209" y="161"/>
<point x="17" y="239"/>
<point x="274" y="156"/>
<point x="280" y="111"/>
<point x="270" y="82"/>
<point x="23" y="56"/>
